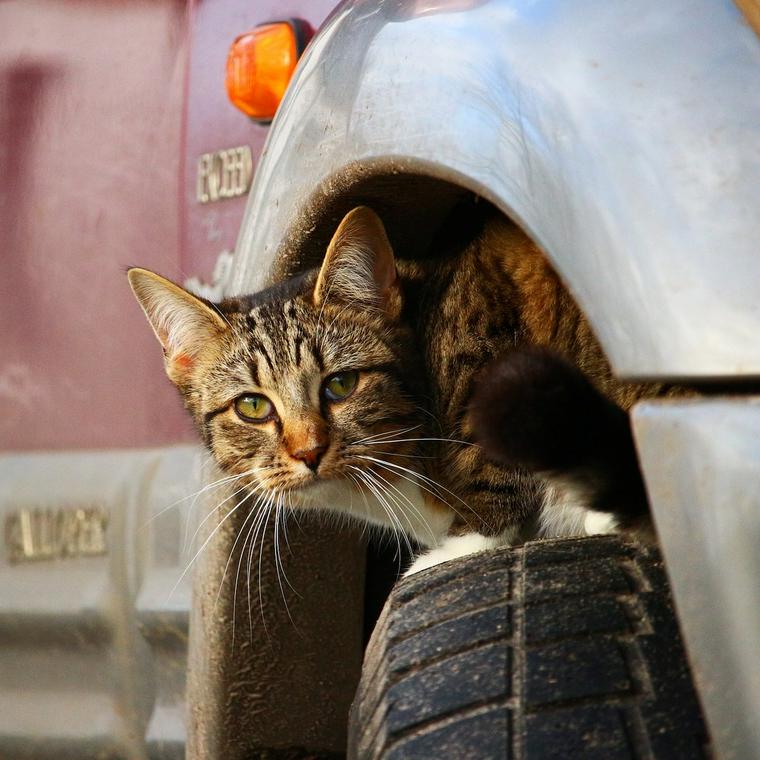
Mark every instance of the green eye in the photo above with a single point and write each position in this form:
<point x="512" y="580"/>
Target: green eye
<point x="341" y="385"/>
<point x="254" y="408"/>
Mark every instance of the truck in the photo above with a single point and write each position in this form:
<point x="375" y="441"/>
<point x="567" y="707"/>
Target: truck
<point x="622" y="139"/>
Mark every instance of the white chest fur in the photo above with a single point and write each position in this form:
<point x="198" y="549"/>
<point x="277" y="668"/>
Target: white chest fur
<point x="399" y="506"/>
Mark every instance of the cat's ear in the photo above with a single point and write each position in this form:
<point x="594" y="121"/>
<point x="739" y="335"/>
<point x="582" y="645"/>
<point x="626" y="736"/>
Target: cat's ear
<point x="183" y="323"/>
<point x="359" y="267"/>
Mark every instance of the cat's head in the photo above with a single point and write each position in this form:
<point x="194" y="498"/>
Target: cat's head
<point x="298" y="384"/>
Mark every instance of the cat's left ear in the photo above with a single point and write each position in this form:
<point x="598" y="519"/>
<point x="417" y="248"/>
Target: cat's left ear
<point x="359" y="267"/>
<point x="184" y="324"/>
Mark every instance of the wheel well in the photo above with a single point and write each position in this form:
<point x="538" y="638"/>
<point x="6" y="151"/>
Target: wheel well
<point x="423" y="215"/>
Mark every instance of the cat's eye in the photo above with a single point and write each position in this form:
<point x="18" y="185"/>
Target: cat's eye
<point x="254" y="408"/>
<point x="341" y="385"/>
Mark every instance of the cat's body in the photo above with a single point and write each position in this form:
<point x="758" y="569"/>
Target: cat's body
<point x="351" y="388"/>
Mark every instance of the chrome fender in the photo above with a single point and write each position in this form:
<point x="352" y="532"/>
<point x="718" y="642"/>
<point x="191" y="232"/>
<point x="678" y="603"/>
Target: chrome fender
<point x="625" y="139"/>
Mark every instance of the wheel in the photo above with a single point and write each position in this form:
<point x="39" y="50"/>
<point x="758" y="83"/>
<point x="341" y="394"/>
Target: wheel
<point x="557" y="649"/>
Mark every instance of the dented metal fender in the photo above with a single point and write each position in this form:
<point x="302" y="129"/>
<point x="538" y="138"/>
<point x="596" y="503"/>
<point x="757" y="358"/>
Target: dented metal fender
<point x="623" y="137"/>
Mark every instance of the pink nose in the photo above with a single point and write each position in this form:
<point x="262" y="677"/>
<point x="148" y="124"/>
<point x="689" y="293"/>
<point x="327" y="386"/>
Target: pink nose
<point x="310" y="457"/>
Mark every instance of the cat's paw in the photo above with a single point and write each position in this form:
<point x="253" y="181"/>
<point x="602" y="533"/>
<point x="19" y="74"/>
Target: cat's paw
<point x="454" y="547"/>
<point x="599" y="523"/>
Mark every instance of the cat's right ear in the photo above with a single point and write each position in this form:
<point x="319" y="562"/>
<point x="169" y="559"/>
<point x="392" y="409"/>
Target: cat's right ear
<point x="183" y="323"/>
<point x="359" y="266"/>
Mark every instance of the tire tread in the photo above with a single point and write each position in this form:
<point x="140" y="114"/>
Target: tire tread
<point x="554" y="649"/>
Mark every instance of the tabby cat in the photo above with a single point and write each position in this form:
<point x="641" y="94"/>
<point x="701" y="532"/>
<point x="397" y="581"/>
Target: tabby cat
<point x="368" y="386"/>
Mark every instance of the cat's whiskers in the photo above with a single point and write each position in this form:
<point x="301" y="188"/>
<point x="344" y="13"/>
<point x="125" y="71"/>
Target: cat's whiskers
<point x="216" y="484"/>
<point x="187" y="543"/>
<point x="398" y="529"/>
<point x="240" y="533"/>
<point x="361" y="484"/>
<point x="286" y="512"/>
<point x="396" y="532"/>
<point x="215" y="509"/>
<point x="368" y="526"/>
<point x="210" y="514"/>
<point x="261" y="537"/>
<point x="387" y="437"/>
<point x="420" y="516"/>
<point x="424" y="487"/>
<point x="385" y="434"/>
<point x="195" y="495"/>
<point x="278" y="556"/>
<point x="262" y="512"/>
<point x="365" y="523"/>
<point x="253" y="513"/>
<point x="422" y="440"/>
<point x="262" y="518"/>
<point x="203" y="546"/>
<point x="392" y="501"/>
<point x="398" y="470"/>
<point x="399" y="454"/>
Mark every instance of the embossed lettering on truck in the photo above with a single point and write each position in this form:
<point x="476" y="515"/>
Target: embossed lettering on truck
<point x="224" y="174"/>
<point x="39" y="534"/>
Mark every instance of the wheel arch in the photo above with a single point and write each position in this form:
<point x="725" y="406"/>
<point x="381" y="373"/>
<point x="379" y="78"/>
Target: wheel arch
<point x="618" y="141"/>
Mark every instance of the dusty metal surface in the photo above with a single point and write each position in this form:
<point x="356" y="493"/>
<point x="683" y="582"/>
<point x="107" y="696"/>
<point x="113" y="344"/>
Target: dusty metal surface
<point x="701" y="461"/>
<point x="275" y="652"/>
<point x="623" y="137"/>
<point x="93" y="644"/>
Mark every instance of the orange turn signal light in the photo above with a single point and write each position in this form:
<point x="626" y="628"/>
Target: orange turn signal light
<point x="260" y="64"/>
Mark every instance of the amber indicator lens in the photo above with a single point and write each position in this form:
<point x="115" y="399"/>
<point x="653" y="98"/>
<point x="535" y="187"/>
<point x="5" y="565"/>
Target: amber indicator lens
<point x="259" y="68"/>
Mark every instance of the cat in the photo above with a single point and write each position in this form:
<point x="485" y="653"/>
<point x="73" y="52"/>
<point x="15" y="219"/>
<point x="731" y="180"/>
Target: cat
<point x="428" y="396"/>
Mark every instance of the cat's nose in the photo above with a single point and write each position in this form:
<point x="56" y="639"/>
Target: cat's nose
<point x="311" y="457"/>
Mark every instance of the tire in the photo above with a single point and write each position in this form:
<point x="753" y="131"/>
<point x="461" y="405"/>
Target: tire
<point x="558" y="649"/>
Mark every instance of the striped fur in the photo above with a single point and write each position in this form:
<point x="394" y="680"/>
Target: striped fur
<point x="419" y="333"/>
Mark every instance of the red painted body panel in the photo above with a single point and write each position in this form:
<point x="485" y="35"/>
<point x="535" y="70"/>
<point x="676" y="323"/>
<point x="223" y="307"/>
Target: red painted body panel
<point x="98" y="173"/>
<point x="213" y="123"/>
<point x="90" y="115"/>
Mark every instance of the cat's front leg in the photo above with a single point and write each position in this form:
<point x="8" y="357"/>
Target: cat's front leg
<point x="453" y="547"/>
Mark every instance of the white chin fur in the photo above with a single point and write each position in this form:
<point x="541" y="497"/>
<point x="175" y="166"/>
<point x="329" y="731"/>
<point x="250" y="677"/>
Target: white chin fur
<point x="563" y="514"/>
<point x="428" y="526"/>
